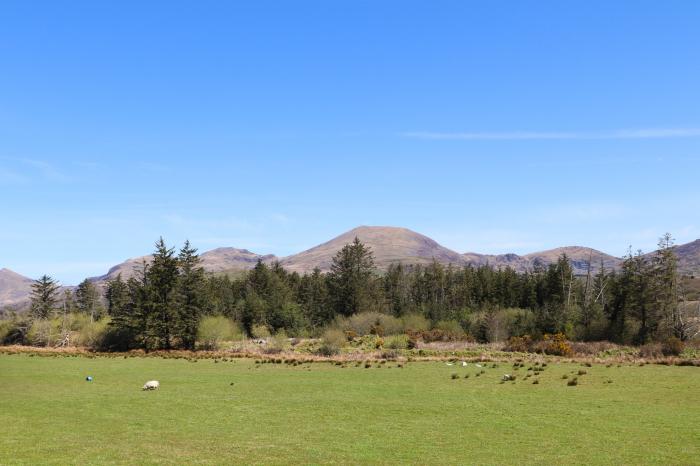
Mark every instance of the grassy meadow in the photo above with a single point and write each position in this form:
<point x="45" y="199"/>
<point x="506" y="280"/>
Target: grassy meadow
<point x="239" y="411"/>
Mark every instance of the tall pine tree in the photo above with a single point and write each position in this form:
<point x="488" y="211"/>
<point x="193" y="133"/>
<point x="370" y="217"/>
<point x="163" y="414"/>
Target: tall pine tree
<point x="351" y="279"/>
<point x="161" y="306"/>
<point x="190" y="295"/>
<point x="44" y="297"/>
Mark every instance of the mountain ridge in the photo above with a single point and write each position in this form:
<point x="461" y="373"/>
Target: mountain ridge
<point x="390" y="245"/>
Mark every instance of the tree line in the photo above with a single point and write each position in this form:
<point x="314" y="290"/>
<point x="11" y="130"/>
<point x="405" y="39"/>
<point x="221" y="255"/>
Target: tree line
<point x="160" y="307"/>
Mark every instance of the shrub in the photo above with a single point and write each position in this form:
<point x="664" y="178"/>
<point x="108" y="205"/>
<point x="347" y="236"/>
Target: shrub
<point x="327" y="350"/>
<point x="592" y="348"/>
<point x="415" y="322"/>
<point x="519" y="344"/>
<point x="412" y="342"/>
<point x="376" y="329"/>
<point x="556" y="345"/>
<point x="260" y="331"/>
<point x="370" y="323"/>
<point x="334" y="337"/>
<point x="7" y="329"/>
<point x="391" y="325"/>
<point x="672" y="347"/>
<point x="92" y="334"/>
<point x="42" y="332"/>
<point x="449" y="326"/>
<point x="397" y="342"/>
<point x="331" y="342"/>
<point x="214" y="330"/>
<point x="277" y="343"/>
<point x="437" y="334"/>
<point x="651" y="350"/>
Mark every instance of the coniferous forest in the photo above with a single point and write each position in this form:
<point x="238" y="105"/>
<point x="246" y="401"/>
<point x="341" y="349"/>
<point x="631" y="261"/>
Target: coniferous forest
<point x="170" y="302"/>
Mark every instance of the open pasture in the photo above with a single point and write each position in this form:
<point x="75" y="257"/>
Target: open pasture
<point x="240" y="411"/>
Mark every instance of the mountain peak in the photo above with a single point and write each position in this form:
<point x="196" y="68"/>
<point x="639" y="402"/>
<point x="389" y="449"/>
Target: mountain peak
<point x="389" y="245"/>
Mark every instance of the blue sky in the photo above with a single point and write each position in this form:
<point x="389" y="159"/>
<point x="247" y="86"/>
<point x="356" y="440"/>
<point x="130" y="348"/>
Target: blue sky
<point x="489" y="126"/>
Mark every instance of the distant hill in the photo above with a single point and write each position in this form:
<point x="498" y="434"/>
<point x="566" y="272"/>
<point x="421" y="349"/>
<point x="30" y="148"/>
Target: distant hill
<point x="689" y="257"/>
<point x="214" y="261"/>
<point x="126" y="269"/>
<point x="390" y="245"/>
<point x="499" y="261"/>
<point x="579" y="257"/>
<point x="14" y="288"/>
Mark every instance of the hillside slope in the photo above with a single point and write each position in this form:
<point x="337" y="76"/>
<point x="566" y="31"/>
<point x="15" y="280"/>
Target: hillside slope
<point x="389" y="245"/>
<point x="579" y="257"/>
<point x="14" y="288"/>
<point x="214" y="261"/>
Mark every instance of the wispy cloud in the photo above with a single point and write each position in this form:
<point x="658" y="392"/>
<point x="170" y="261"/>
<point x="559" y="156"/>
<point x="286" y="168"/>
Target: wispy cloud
<point x="26" y="169"/>
<point x="9" y="177"/>
<point x="644" y="133"/>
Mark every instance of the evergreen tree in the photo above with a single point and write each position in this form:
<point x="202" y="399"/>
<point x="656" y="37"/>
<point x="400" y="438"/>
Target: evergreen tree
<point x="397" y="289"/>
<point x="666" y="286"/>
<point x="190" y="294"/>
<point x="117" y="296"/>
<point x="161" y="305"/>
<point x="134" y="323"/>
<point x="126" y="305"/>
<point x="641" y="305"/>
<point x="313" y="296"/>
<point x="44" y="297"/>
<point x="351" y="279"/>
<point x="88" y="299"/>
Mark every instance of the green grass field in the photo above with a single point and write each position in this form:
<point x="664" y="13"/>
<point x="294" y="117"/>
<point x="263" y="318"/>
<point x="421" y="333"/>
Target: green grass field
<point x="322" y="413"/>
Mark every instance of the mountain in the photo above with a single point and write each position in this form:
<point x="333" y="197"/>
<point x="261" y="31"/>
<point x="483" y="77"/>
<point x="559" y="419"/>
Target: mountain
<point x="499" y="261"/>
<point x="232" y="259"/>
<point x="689" y="257"/>
<point x="578" y="256"/>
<point x="126" y="269"/>
<point x="214" y="261"/>
<point x="14" y="288"/>
<point x="389" y="245"/>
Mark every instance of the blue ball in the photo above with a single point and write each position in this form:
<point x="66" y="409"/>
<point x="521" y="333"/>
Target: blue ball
<point x="88" y="378"/>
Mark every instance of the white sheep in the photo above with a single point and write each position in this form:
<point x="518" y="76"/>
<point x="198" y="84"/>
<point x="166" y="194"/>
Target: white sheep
<point x="151" y="385"/>
<point x="464" y="364"/>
